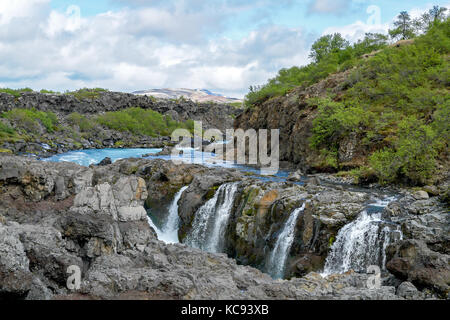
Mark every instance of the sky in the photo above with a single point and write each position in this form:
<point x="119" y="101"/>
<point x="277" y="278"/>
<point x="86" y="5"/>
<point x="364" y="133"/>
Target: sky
<point x="221" y="45"/>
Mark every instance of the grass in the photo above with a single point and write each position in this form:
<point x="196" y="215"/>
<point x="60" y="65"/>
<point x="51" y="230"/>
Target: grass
<point x="15" y="92"/>
<point x="87" y="93"/>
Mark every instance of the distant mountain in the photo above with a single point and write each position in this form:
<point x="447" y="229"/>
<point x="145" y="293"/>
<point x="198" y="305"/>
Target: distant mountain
<point x="197" y="95"/>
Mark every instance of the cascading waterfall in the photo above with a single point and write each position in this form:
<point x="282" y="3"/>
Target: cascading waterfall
<point x="277" y="260"/>
<point x="362" y="242"/>
<point x="210" y="222"/>
<point x="169" y="232"/>
<point x="157" y="230"/>
<point x="170" y="228"/>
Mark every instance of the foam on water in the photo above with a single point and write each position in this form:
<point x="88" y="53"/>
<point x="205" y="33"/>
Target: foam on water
<point x="362" y="242"/>
<point x="278" y="257"/>
<point x="94" y="156"/>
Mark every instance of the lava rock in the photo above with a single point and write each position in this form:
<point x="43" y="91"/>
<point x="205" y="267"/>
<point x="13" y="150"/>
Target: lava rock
<point x="106" y="161"/>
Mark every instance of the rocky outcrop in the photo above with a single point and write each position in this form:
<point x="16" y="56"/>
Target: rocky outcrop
<point x="56" y="215"/>
<point x="423" y="256"/>
<point x="293" y="116"/>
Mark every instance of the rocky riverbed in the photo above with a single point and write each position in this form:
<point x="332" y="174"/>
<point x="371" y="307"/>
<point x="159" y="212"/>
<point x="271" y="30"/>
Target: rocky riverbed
<point x="54" y="215"/>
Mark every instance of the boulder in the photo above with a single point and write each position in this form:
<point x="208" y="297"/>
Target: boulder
<point x="408" y="291"/>
<point x="421" y="195"/>
<point x="412" y="260"/>
<point x="106" y="161"/>
<point x="295" y="176"/>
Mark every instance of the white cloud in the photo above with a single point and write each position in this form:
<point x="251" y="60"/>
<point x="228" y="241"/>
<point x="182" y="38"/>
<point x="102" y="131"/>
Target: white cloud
<point x="12" y="9"/>
<point x="357" y="30"/>
<point x="328" y="6"/>
<point x="135" y="49"/>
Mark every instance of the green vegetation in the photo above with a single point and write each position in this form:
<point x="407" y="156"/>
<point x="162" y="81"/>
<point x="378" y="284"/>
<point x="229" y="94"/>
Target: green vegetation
<point x="28" y="119"/>
<point x="395" y="101"/>
<point x="142" y="122"/>
<point x="81" y="121"/>
<point x="15" y="92"/>
<point x="236" y="105"/>
<point x="6" y="132"/>
<point x="49" y="91"/>
<point x="398" y="102"/>
<point x="330" y="53"/>
<point x="87" y="93"/>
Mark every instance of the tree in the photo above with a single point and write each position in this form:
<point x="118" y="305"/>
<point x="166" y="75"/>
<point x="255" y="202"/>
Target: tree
<point x="437" y="14"/>
<point x="404" y="27"/>
<point x="371" y="42"/>
<point x="428" y="19"/>
<point x="326" y="45"/>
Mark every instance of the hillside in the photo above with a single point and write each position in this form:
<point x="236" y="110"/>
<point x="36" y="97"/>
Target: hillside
<point x="374" y="111"/>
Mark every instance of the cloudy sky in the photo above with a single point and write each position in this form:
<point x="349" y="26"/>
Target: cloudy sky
<point x="128" y="45"/>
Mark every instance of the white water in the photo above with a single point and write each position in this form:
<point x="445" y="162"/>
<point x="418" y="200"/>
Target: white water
<point x="169" y="232"/>
<point x="361" y="243"/>
<point x="157" y="230"/>
<point x="278" y="257"/>
<point x="211" y="219"/>
<point x="170" y="228"/>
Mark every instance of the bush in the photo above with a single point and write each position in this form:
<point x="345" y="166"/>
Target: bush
<point x="16" y="92"/>
<point x="29" y="119"/>
<point x="85" y="124"/>
<point x="412" y="155"/>
<point x="335" y="120"/>
<point x="87" y="93"/>
<point x="332" y="57"/>
<point x="398" y="102"/>
<point x="142" y="122"/>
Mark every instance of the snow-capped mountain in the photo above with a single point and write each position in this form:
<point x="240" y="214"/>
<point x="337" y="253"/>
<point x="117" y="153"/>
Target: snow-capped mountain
<point x="197" y="95"/>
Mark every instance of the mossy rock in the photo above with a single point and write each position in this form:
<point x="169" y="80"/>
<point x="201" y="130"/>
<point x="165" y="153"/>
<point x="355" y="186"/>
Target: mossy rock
<point x="211" y="192"/>
<point x="5" y="151"/>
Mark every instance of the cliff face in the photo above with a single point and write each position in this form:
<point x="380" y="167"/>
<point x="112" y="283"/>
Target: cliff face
<point x="293" y="116"/>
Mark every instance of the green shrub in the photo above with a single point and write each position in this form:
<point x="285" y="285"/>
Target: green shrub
<point x="48" y="91"/>
<point x="29" y="119"/>
<point x="412" y="156"/>
<point x="333" y="55"/>
<point x="87" y="93"/>
<point x="15" y="92"/>
<point x="399" y="104"/>
<point x="335" y="120"/>
<point x="142" y="122"/>
<point x="85" y="124"/>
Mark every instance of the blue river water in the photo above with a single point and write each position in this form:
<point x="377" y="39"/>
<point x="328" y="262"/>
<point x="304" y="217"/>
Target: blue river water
<point x="187" y="155"/>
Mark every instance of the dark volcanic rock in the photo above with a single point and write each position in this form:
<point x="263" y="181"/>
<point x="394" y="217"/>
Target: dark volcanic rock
<point x="105" y="162"/>
<point x="95" y="221"/>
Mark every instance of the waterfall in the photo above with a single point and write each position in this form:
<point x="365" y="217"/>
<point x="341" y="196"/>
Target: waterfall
<point x="169" y="231"/>
<point x="210" y="222"/>
<point x="151" y="224"/>
<point x="278" y="257"/>
<point x="170" y="228"/>
<point x="362" y="242"/>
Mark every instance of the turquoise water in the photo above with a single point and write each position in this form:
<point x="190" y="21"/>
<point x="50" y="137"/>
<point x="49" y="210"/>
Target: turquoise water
<point x="186" y="155"/>
<point x="94" y="156"/>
